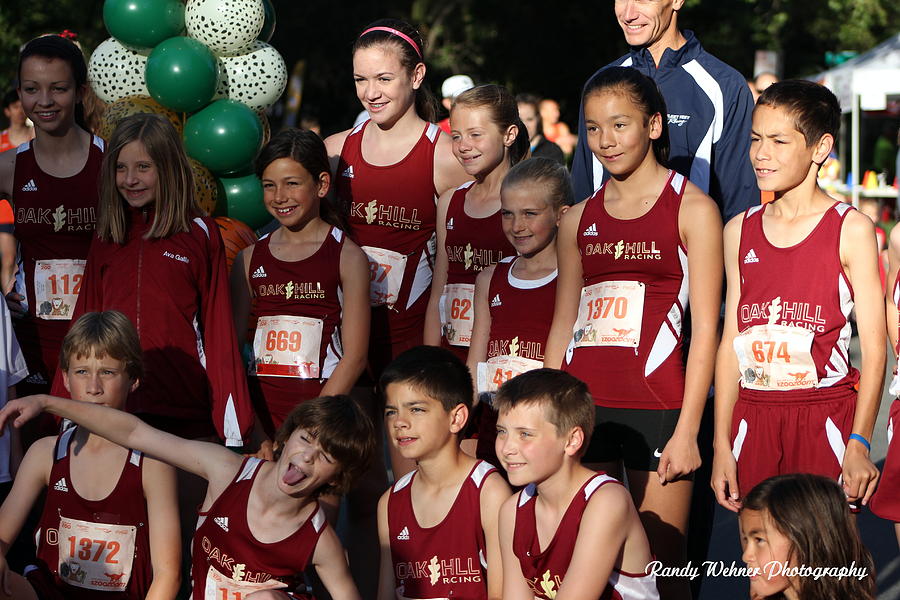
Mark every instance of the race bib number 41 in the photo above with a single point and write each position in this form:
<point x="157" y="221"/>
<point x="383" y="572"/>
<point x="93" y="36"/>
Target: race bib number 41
<point x="56" y="286"/>
<point x="287" y="346"/>
<point x="457" y="312"/>
<point x="386" y="269"/>
<point x="500" y="369"/>
<point x="776" y="357"/>
<point x="610" y="314"/>
<point x="96" y="556"/>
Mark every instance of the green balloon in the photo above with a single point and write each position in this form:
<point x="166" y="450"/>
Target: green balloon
<point x="181" y="74"/>
<point x="242" y="199"/>
<point x="225" y="136"/>
<point x="143" y="23"/>
<point x="269" y="25"/>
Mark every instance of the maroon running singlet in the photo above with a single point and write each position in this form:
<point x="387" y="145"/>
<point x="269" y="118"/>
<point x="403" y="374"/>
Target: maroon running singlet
<point x="627" y="344"/>
<point x="96" y="548"/>
<point x="472" y="244"/>
<point x="886" y="501"/>
<point x="444" y="561"/>
<point x="392" y="216"/>
<point x="55" y="220"/>
<point x="797" y="399"/>
<point x="297" y="309"/>
<point x="228" y="562"/>
<point x="545" y="570"/>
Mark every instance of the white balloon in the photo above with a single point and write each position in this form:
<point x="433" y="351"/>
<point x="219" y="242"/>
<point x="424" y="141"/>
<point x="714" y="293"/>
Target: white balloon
<point x="257" y="78"/>
<point x="116" y="72"/>
<point x="225" y="26"/>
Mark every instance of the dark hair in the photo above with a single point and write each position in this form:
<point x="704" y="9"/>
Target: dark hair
<point x="642" y="92"/>
<point x="566" y="401"/>
<point x="814" y="108"/>
<point x="503" y="110"/>
<point x="306" y="148"/>
<point x="812" y="512"/>
<point x="540" y="170"/>
<point x="10" y="97"/>
<point x="410" y="56"/>
<point x="99" y="334"/>
<point x="343" y="430"/>
<point x="54" y="46"/>
<point x="534" y="102"/>
<point x="175" y="203"/>
<point x="434" y="371"/>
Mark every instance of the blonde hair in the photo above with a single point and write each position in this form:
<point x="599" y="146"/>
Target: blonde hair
<point x="99" y="334"/>
<point x="175" y="204"/>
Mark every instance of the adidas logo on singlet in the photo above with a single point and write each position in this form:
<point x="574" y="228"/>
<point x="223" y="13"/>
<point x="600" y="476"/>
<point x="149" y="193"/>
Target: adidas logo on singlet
<point x="60" y="486"/>
<point x="348" y="172"/>
<point x="259" y="272"/>
<point x="36" y="379"/>
<point x="31" y="186"/>
<point x="591" y="231"/>
<point x="751" y="257"/>
<point x="450" y="223"/>
<point x="404" y="534"/>
<point x="221" y="522"/>
<point x="496" y="301"/>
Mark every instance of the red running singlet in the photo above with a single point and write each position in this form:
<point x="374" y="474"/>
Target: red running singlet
<point x="96" y="548"/>
<point x="544" y="570"/>
<point x="288" y="369"/>
<point x="793" y="319"/>
<point x="228" y="562"/>
<point x="886" y="501"/>
<point x="392" y="216"/>
<point x="472" y="244"/>
<point x="55" y="220"/>
<point x="629" y="349"/>
<point x="444" y="561"/>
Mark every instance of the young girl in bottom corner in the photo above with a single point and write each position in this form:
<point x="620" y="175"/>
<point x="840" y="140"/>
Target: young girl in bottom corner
<point x="307" y="283"/>
<point x="792" y="525"/>
<point x="488" y="139"/>
<point x="514" y="299"/>
<point x="632" y="258"/>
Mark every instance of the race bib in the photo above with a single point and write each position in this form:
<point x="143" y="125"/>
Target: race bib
<point x="500" y="369"/>
<point x="457" y="313"/>
<point x="95" y="556"/>
<point x="222" y="587"/>
<point x="385" y="275"/>
<point x="610" y="314"/>
<point x="776" y="357"/>
<point x="287" y="346"/>
<point x="56" y="286"/>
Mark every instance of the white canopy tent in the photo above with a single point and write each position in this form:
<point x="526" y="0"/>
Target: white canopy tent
<point x="864" y="83"/>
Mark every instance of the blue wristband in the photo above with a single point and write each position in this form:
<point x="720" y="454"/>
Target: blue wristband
<point x="861" y="440"/>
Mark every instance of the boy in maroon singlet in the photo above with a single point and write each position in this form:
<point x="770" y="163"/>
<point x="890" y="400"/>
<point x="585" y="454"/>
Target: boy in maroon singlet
<point x="438" y="524"/>
<point x="568" y="518"/>
<point x="787" y="398"/>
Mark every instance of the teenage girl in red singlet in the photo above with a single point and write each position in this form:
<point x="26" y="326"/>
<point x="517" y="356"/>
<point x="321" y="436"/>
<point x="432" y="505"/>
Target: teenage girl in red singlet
<point x="488" y="139"/>
<point x="514" y="299"/>
<point x="631" y="258"/>
<point x="390" y="171"/>
<point x="307" y="283"/>
<point x="52" y="182"/>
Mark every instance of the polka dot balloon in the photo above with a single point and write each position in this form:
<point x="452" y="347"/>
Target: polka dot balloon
<point x="256" y="78"/>
<point x="225" y="26"/>
<point x="115" y="72"/>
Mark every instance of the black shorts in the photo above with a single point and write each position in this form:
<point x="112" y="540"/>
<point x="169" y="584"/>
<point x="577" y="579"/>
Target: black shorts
<point x="634" y="436"/>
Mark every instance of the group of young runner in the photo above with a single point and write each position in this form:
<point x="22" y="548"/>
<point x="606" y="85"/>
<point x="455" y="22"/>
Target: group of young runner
<point x="572" y="344"/>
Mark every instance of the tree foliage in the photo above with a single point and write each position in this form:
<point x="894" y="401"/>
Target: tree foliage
<point x="546" y="48"/>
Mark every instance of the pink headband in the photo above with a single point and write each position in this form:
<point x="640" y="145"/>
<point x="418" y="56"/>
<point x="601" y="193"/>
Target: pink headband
<point x="399" y="34"/>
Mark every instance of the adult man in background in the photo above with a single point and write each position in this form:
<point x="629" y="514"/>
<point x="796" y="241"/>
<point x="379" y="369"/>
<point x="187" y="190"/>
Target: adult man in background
<point x="708" y="104"/>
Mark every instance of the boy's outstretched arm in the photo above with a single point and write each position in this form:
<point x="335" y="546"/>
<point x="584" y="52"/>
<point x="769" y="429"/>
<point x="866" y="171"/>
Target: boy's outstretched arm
<point x="210" y="461"/>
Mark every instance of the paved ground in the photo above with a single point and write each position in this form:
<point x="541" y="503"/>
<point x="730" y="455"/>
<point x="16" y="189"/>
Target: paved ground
<point x="878" y="534"/>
